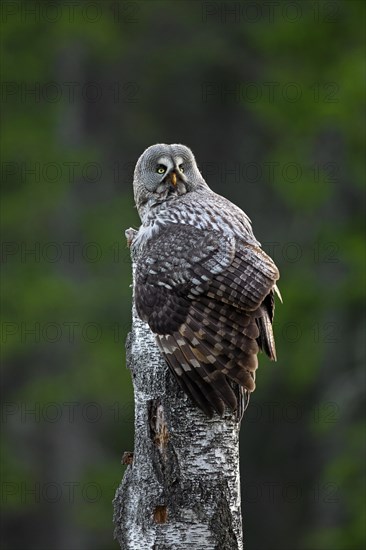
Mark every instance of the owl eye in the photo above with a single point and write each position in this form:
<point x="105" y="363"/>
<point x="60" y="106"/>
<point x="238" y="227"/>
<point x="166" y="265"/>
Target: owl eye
<point x="161" y="169"/>
<point x="181" y="169"/>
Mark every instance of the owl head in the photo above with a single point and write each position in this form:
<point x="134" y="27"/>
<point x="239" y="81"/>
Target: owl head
<point x="165" y="172"/>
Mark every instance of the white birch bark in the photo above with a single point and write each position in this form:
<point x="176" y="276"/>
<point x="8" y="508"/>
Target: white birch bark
<point x="182" y="490"/>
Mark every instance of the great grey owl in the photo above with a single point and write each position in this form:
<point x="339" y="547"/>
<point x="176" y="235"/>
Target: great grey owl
<point x="202" y="281"/>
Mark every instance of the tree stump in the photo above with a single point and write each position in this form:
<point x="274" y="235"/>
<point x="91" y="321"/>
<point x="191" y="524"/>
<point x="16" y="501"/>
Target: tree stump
<point x="181" y="489"/>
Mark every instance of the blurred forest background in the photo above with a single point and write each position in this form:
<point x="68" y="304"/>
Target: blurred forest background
<point x="270" y="97"/>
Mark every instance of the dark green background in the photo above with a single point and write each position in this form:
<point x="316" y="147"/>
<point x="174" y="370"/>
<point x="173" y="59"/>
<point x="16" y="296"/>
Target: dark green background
<point x="270" y="97"/>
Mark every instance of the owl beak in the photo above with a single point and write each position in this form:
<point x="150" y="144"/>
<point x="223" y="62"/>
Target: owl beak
<point x="173" y="178"/>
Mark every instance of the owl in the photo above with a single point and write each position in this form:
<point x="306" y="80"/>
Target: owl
<point x="202" y="282"/>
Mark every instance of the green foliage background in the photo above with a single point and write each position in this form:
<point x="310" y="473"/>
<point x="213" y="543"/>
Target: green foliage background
<point x="272" y="104"/>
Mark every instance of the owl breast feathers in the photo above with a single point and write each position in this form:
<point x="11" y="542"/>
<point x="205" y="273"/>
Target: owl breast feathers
<point x="202" y="282"/>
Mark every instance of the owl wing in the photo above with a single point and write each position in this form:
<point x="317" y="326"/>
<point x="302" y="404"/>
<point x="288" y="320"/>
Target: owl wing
<point x="209" y="300"/>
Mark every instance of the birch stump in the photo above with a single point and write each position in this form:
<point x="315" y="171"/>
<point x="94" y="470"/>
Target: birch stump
<point x="182" y="487"/>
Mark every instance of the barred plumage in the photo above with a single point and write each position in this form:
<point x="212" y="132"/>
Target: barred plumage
<point x="202" y="282"/>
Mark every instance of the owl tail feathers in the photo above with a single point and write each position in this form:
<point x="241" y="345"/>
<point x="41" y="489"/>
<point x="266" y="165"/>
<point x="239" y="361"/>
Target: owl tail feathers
<point x="277" y="291"/>
<point x="243" y="402"/>
<point x="201" y="393"/>
<point x="266" y="338"/>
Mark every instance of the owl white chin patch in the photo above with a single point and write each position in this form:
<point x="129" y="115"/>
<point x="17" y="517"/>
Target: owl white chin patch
<point x="181" y="189"/>
<point x="170" y="192"/>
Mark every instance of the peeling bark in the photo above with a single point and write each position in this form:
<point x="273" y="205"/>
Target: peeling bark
<point x="181" y="489"/>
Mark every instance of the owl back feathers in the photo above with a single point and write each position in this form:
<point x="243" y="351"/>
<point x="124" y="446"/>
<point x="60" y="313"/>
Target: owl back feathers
<point x="209" y="300"/>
